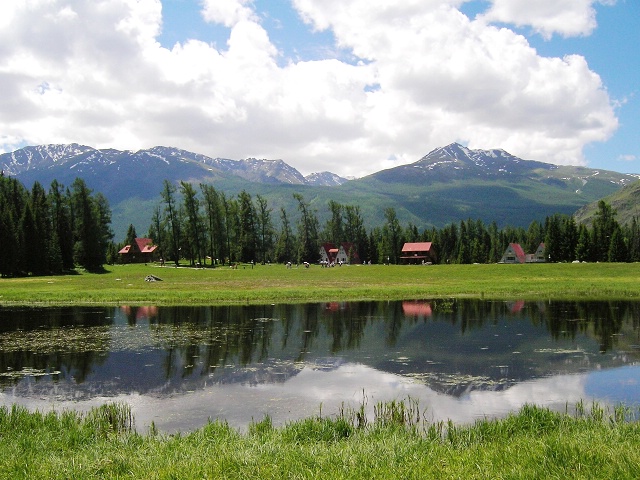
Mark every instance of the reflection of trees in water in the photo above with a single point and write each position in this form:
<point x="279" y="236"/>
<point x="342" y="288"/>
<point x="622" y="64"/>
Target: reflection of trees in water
<point x="345" y="323"/>
<point x="246" y="335"/>
<point x="562" y="319"/>
<point x="601" y="320"/>
<point x="199" y="340"/>
<point x="214" y="336"/>
<point x="51" y="341"/>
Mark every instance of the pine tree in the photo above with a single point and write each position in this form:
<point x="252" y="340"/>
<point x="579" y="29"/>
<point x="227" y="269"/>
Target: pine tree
<point x="634" y="241"/>
<point x="40" y="243"/>
<point x="8" y="240"/>
<point x="617" y="249"/>
<point x="61" y="225"/>
<point x="603" y="225"/>
<point x="584" y="247"/>
<point x="131" y="236"/>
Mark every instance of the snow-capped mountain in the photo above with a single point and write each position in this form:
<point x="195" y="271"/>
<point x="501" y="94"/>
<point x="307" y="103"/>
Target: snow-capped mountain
<point x="458" y="163"/>
<point x="110" y="167"/>
<point x="325" y="179"/>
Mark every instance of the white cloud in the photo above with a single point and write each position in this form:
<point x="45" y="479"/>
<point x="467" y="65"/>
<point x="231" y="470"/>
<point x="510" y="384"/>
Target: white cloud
<point x="566" y="17"/>
<point x="228" y="12"/>
<point x="444" y="78"/>
<point x="94" y="73"/>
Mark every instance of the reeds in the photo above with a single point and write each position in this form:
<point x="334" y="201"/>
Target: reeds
<point x="391" y="440"/>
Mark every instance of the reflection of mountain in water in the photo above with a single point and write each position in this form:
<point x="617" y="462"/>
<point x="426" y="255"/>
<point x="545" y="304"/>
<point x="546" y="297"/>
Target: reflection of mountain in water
<point x="454" y="347"/>
<point x="56" y="385"/>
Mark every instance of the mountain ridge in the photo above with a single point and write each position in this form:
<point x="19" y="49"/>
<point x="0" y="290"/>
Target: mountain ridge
<point x="38" y="157"/>
<point x="449" y="184"/>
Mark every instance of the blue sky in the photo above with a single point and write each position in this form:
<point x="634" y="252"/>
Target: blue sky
<point x="349" y="87"/>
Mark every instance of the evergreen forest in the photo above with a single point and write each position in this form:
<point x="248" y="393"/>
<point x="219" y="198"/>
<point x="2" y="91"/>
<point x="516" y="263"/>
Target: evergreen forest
<point x="52" y="232"/>
<point x="206" y="226"/>
<point x="56" y="231"/>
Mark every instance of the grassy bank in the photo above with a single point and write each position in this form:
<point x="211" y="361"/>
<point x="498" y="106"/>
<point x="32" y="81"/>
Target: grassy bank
<point x="277" y="284"/>
<point x="535" y="443"/>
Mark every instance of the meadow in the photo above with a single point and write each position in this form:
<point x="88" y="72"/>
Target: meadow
<point x="266" y="284"/>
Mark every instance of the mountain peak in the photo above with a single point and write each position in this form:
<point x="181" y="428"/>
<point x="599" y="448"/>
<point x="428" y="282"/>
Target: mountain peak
<point x="324" y="179"/>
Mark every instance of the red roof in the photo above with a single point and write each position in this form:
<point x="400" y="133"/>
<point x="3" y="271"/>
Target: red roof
<point x="416" y="247"/>
<point x="519" y="252"/>
<point x="417" y="309"/>
<point x="145" y="245"/>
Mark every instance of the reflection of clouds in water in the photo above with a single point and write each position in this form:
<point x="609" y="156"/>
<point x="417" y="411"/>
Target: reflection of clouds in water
<point x="304" y="394"/>
<point x="619" y="385"/>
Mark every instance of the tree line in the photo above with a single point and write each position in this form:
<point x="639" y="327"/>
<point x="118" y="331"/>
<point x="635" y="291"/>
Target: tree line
<point x="52" y="232"/>
<point x="205" y="225"/>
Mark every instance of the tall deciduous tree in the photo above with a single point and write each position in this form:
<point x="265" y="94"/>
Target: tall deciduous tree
<point x="247" y="235"/>
<point x="173" y="221"/>
<point x="307" y="231"/>
<point x="264" y="227"/>
<point x="214" y="221"/>
<point x="157" y="231"/>
<point x="391" y="232"/>
<point x="285" y="245"/>
<point x="334" y="228"/>
<point x="194" y="226"/>
<point x="355" y="231"/>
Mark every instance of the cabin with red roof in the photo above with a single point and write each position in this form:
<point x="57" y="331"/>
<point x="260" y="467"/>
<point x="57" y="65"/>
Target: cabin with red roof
<point x="418" y="253"/>
<point x="141" y="251"/>
<point x="515" y="254"/>
<point x="345" y="253"/>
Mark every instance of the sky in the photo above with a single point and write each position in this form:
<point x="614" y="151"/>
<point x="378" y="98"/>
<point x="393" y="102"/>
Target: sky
<point x="347" y="86"/>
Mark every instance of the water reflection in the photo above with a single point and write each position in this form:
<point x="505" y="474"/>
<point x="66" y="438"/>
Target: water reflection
<point x="178" y="366"/>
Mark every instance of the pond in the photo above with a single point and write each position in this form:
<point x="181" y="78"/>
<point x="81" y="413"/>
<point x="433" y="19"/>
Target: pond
<point x="459" y="359"/>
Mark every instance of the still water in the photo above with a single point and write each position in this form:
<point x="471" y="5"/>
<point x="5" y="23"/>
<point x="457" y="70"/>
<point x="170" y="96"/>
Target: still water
<point x="460" y="359"/>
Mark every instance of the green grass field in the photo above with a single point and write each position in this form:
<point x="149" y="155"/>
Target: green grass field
<point x="534" y="443"/>
<point x="264" y="284"/>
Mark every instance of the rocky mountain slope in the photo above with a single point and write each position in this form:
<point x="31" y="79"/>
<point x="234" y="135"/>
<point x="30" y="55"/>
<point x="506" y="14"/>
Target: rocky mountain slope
<point x="626" y="203"/>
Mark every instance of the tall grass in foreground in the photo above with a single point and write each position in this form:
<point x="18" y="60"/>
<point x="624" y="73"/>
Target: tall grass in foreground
<point x="396" y="443"/>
